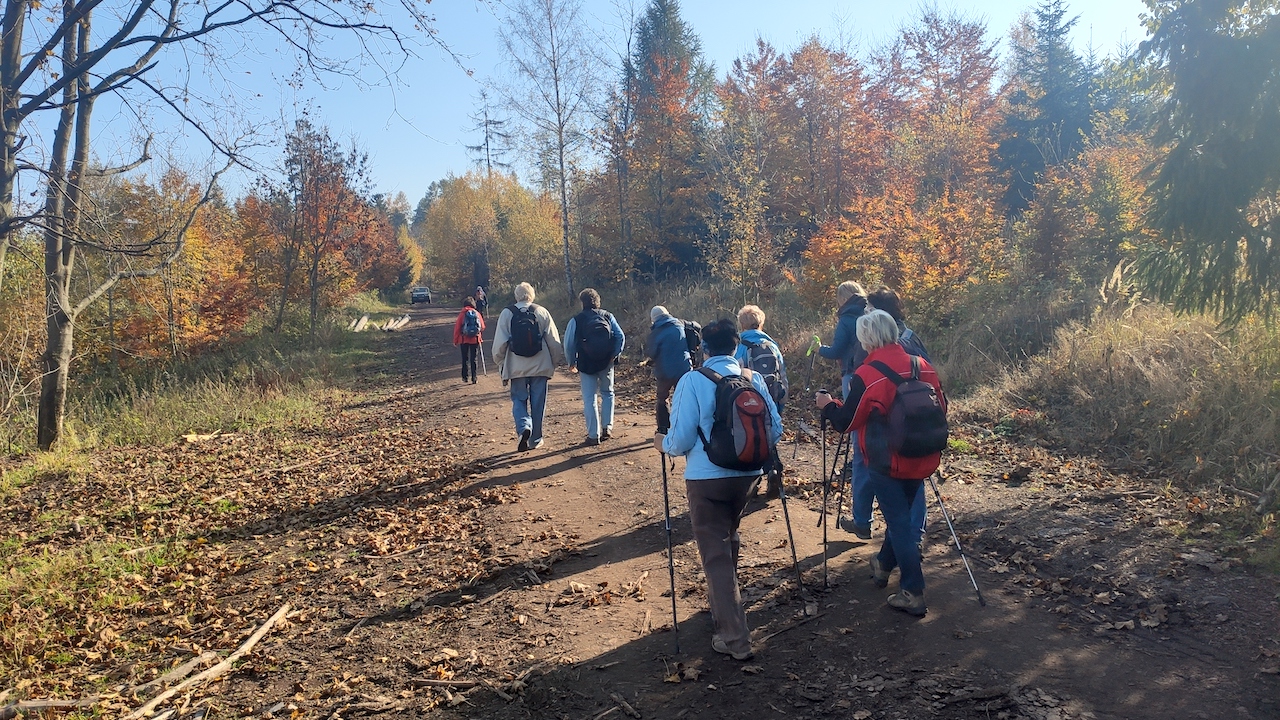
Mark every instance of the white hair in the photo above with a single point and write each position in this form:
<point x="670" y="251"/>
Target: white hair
<point x="524" y="292"/>
<point x="877" y="329"/>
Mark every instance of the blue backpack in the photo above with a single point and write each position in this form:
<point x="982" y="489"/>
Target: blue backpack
<point x="471" y="323"/>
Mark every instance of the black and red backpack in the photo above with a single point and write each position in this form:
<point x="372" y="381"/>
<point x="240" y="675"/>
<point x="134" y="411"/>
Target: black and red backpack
<point x="740" y="423"/>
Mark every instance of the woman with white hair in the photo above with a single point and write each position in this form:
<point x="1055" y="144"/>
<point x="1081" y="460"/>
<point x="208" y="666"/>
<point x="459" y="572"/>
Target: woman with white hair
<point x="526" y="346"/>
<point x="895" y="479"/>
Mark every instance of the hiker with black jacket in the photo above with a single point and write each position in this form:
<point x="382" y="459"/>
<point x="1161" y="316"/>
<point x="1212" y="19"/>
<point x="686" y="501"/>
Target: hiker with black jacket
<point x="526" y="346"/>
<point x="593" y="340"/>
<point x="468" y="331"/>
<point x="717" y="492"/>
<point x="669" y="352"/>
<point x="895" y="477"/>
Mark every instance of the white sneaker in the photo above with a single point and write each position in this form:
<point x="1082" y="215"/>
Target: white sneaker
<point x="908" y="602"/>
<point x="719" y="646"/>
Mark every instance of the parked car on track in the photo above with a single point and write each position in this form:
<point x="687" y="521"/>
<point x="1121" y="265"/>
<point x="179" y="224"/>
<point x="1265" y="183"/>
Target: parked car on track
<point x="420" y="294"/>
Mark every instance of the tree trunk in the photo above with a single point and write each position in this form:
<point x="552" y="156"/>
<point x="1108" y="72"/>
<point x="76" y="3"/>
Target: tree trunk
<point x="10" y="64"/>
<point x="56" y="365"/>
<point x="313" y="277"/>
<point x="564" y="213"/>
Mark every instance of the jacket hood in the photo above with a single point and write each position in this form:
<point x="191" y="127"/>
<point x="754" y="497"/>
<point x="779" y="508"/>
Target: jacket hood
<point x="756" y="336"/>
<point x="665" y="320"/>
<point x="855" y="306"/>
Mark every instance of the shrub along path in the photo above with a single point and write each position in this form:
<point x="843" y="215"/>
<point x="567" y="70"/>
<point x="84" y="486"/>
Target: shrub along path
<point x="430" y="571"/>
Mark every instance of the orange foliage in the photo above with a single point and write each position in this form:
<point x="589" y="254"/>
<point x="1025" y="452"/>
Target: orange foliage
<point x="929" y="252"/>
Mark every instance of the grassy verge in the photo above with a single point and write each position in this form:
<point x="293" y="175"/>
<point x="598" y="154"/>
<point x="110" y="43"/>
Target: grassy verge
<point x="1159" y="393"/>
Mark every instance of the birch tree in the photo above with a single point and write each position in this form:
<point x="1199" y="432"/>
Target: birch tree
<point x="549" y="53"/>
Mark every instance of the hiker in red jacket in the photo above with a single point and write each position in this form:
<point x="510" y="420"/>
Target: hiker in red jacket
<point x="468" y="329"/>
<point x="895" y="479"/>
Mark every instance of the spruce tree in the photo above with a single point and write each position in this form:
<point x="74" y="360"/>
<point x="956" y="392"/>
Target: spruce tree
<point x="1050" y="109"/>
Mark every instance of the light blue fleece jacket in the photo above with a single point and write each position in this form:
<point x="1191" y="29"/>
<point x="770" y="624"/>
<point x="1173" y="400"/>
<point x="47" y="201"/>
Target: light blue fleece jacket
<point x="693" y="406"/>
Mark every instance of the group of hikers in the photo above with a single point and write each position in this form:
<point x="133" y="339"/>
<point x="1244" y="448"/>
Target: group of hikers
<point x="720" y="394"/>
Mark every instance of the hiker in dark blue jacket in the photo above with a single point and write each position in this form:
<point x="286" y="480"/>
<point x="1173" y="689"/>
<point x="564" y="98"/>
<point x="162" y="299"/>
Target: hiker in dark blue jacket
<point x="852" y="301"/>
<point x="670" y="355"/>
<point x="884" y="298"/>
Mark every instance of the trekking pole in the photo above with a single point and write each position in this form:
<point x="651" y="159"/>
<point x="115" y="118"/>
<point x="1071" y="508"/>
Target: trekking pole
<point x="954" y="536"/>
<point x="826" y="485"/>
<point x="845" y="479"/>
<point x="830" y="473"/>
<point x="671" y="564"/>
<point x="791" y="538"/>
<point x="795" y="447"/>
<point x="480" y="350"/>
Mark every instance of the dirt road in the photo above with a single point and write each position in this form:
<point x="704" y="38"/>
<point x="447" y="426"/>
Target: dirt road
<point x="432" y="571"/>
<point x="1079" y="621"/>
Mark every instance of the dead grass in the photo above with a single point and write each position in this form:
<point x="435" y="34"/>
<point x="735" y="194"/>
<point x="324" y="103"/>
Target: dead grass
<point x="1148" y="388"/>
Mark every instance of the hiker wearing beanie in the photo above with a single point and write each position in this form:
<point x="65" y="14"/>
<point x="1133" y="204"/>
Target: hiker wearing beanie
<point x="670" y="355"/>
<point x="895" y="478"/>
<point x="718" y="480"/>
<point x="526" y="346"/>
<point x="468" y="330"/>
<point x="851" y="300"/>
<point x="593" y="340"/>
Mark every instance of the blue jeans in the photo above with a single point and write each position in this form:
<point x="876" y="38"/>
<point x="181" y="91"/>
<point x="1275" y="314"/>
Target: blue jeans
<point x="528" y="405"/>
<point x="600" y="416"/>
<point x="897" y="498"/>
<point x="863" y="495"/>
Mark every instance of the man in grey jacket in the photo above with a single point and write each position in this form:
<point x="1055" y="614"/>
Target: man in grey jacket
<point x="528" y="371"/>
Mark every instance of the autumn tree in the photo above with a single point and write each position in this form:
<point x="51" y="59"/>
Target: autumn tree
<point x="740" y="246"/>
<point x="672" y="89"/>
<point x="551" y="57"/>
<point x="483" y="228"/>
<point x="56" y="61"/>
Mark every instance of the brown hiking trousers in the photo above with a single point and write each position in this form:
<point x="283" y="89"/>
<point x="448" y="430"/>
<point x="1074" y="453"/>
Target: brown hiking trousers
<point x="715" y="507"/>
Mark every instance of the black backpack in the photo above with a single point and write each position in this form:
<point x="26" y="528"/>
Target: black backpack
<point x="764" y="358"/>
<point x="595" y="341"/>
<point x="526" y="334"/>
<point x="740" y="424"/>
<point x="912" y="343"/>
<point x="917" y="424"/>
<point x="693" y="341"/>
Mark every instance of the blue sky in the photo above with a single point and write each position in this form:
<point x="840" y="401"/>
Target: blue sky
<point x="415" y="127"/>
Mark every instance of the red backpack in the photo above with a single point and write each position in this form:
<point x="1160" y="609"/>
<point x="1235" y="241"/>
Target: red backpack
<point x="740" y="424"/>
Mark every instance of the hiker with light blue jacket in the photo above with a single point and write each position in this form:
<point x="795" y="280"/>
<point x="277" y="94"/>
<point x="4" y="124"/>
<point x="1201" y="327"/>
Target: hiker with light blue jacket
<point x="717" y="495"/>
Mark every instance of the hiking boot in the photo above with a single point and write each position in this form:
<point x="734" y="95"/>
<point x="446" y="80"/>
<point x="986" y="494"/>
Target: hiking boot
<point x="863" y="532"/>
<point x="535" y="444"/>
<point x="524" y="441"/>
<point x="908" y="602"/>
<point x="591" y="441"/>
<point x="608" y="433"/>
<point x="719" y="646"/>
<point x="879" y="575"/>
<point x="473" y="380"/>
